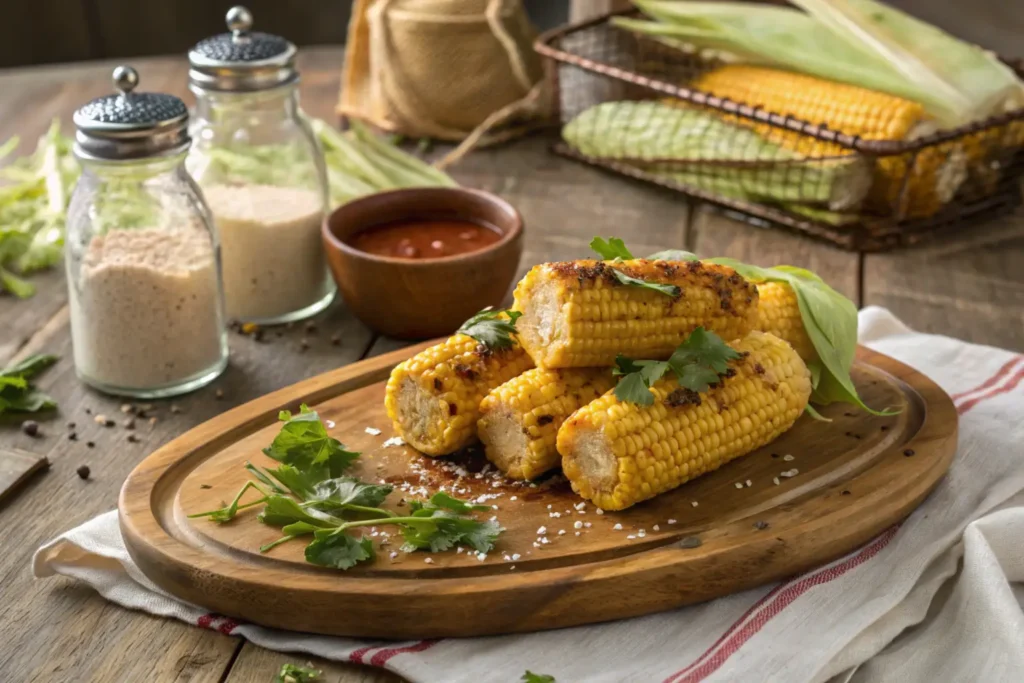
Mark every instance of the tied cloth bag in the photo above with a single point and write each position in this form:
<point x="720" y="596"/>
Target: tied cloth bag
<point x="455" y="70"/>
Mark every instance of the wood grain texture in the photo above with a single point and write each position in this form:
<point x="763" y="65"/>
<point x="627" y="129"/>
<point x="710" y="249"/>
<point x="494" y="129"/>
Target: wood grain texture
<point x="969" y="285"/>
<point x="16" y="466"/>
<point x="569" y="581"/>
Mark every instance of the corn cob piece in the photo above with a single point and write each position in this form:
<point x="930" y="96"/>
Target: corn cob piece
<point x="618" y="454"/>
<point x="577" y="314"/>
<point x="433" y="398"/>
<point x="779" y="313"/>
<point x="520" y="419"/>
<point x="934" y="175"/>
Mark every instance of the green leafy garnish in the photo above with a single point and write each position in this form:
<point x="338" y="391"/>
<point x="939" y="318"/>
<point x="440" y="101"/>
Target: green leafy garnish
<point x="699" y="362"/>
<point x="673" y="255"/>
<point x="16" y="391"/>
<point x="336" y="549"/>
<point x="668" y="290"/>
<point x="310" y="501"/>
<point x="292" y="673"/>
<point x="494" y="329"/>
<point x="610" y="249"/>
<point x="303" y="442"/>
<point x="530" y="677"/>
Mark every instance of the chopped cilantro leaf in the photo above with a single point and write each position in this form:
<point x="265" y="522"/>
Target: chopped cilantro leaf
<point x="667" y="290"/>
<point x="282" y="510"/>
<point x="703" y="348"/>
<point x="334" y="548"/>
<point x="530" y="677"/>
<point x="610" y="249"/>
<point x="493" y="329"/>
<point x="304" y="443"/>
<point x="291" y="673"/>
<point x="348" y="491"/>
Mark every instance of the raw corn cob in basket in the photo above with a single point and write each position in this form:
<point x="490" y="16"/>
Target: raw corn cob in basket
<point x="617" y="454"/>
<point x="921" y="188"/>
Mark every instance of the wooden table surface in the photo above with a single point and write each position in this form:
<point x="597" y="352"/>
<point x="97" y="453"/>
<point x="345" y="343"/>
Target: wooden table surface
<point x="969" y="286"/>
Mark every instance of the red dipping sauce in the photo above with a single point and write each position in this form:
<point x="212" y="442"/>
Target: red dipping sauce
<point x="424" y="238"/>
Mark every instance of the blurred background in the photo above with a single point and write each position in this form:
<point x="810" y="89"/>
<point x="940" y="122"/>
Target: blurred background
<point x="48" y="31"/>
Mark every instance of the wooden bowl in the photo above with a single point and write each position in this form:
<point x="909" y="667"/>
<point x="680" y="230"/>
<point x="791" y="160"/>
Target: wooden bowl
<point x="422" y="298"/>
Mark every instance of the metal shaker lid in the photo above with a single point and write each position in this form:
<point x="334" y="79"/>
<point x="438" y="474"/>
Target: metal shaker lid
<point x="131" y="125"/>
<point x="242" y="60"/>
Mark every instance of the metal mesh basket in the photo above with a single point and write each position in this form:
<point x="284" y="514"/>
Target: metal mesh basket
<point x="867" y="195"/>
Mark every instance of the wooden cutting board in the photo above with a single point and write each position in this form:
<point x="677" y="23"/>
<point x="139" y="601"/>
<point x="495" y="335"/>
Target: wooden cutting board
<point x="855" y="476"/>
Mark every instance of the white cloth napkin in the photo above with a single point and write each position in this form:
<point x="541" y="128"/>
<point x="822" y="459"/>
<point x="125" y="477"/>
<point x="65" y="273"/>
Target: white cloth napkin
<point x="937" y="598"/>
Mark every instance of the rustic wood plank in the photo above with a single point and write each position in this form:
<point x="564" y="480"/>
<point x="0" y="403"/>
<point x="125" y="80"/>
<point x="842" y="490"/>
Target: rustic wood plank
<point x="16" y="466"/>
<point x="717" y="234"/>
<point x="968" y="285"/>
<point x="258" y="664"/>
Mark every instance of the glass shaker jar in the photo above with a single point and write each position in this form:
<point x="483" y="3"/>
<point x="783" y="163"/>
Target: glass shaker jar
<point x="143" y="270"/>
<point x="262" y="173"/>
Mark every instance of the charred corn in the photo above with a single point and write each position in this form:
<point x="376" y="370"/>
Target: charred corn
<point x="779" y="313"/>
<point x="433" y="398"/>
<point x="520" y="419"/>
<point x="932" y="176"/>
<point x="578" y="314"/>
<point x="618" y="454"/>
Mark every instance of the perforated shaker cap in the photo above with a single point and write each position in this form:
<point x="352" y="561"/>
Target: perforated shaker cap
<point x="242" y="60"/>
<point x="130" y="125"/>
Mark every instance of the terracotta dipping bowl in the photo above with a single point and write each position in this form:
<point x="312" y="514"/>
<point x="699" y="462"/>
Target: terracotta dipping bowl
<point x="430" y="297"/>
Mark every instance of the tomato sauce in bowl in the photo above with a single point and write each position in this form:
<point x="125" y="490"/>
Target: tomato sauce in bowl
<point x="424" y="238"/>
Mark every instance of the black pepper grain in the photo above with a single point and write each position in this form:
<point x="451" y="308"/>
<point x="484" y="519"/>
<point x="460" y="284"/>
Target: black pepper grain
<point x="83" y="472"/>
<point x="761" y="525"/>
<point x="132" y="438"/>
<point x="73" y="436"/>
<point x="129" y="423"/>
<point x="90" y="444"/>
<point x="311" y="328"/>
<point x="30" y="427"/>
<point x="909" y="452"/>
<point x="336" y="340"/>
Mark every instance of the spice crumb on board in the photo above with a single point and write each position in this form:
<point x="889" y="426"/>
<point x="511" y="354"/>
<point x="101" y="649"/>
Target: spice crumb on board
<point x="205" y="486"/>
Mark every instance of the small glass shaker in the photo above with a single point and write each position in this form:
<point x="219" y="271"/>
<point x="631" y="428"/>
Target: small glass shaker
<point x="262" y="173"/>
<point x="142" y="258"/>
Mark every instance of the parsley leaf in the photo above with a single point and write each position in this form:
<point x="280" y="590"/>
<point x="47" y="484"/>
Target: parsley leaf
<point x="304" y="443"/>
<point x="610" y="249"/>
<point x="333" y="548"/>
<point x="493" y="329"/>
<point x="530" y="677"/>
<point x="667" y="290"/>
<point x="291" y="673"/>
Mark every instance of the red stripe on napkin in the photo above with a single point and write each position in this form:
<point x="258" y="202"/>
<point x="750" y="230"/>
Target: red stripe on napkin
<point x="991" y="381"/>
<point x="382" y="657"/>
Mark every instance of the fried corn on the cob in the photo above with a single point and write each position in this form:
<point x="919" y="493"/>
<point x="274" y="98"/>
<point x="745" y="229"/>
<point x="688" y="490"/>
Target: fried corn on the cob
<point x="618" y="454"/>
<point x="433" y="398"/>
<point x="577" y="314"/>
<point x="932" y="176"/>
<point x="520" y="419"/>
<point x="779" y="313"/>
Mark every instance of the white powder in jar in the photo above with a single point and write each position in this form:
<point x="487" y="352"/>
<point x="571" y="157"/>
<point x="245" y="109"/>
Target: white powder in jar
<point x="271" y="250"/>
<point x="145" y="311"/>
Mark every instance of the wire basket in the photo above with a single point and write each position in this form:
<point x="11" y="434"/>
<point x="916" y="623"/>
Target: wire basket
<point x="865" y="195"/>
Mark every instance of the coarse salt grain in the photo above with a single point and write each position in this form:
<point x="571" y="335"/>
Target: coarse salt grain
<point x="514" y="498"/>
<point x="656" y="527"/>
<point x="630" y="537"/>
<point x="580" y="506"/>
<point x="617" y="527"/>
<point x="788" y="458"/>
<point x="577" y="525"/>
<point x="429" y="560"/>
<point x="749" y="484"/>
<point x="393" y="441"/>
<point x="600" y="511"/>
<point x="671" y="521"/>
<point x="515" y="556"/>
<point x="586" y="525"/>
<point x="776" y="481"/>
<point x="789" y="473"/>
<point x="641" y="533"/>
<point x="542" y="530"/>
<point x="693" y="503"/>
<point x="372" y="431"/>
<point x="554" y="514"/>
<point x="561" y="532"/>
<point x="481" y="556"/>
<point x="739" y="484"/>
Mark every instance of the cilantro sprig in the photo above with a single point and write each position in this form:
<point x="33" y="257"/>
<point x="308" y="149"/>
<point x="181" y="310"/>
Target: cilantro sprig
<point x="698" y="363"/>
<point x="494" y="329"/>
<point x="309" y="495"/>
<point x="613" y="249"/>
<point x="530" y="677"/>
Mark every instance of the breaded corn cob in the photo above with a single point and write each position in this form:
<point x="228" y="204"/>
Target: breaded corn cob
<point x="618" y="454"/>
<point x="520" y="419"/>
<point x="578" y="314"/>
<point x="433" y="398"/>
<point x="779" y="313"/>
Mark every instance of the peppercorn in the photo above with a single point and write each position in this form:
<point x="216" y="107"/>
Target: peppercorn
<point x="30" y="427"/>
<point x="83" y="472"/>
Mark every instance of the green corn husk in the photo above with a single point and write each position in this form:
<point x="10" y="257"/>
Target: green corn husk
<point x="696" y="148"/>
<point x="971" y="82"/>
<point x="859" y="42"/>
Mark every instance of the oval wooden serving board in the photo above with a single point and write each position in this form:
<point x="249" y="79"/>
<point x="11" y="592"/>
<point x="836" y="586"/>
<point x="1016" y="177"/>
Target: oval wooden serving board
<point x="856" y="476"/>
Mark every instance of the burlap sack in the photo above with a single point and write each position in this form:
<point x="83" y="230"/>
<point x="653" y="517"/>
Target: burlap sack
<point x="458" y="70"/>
